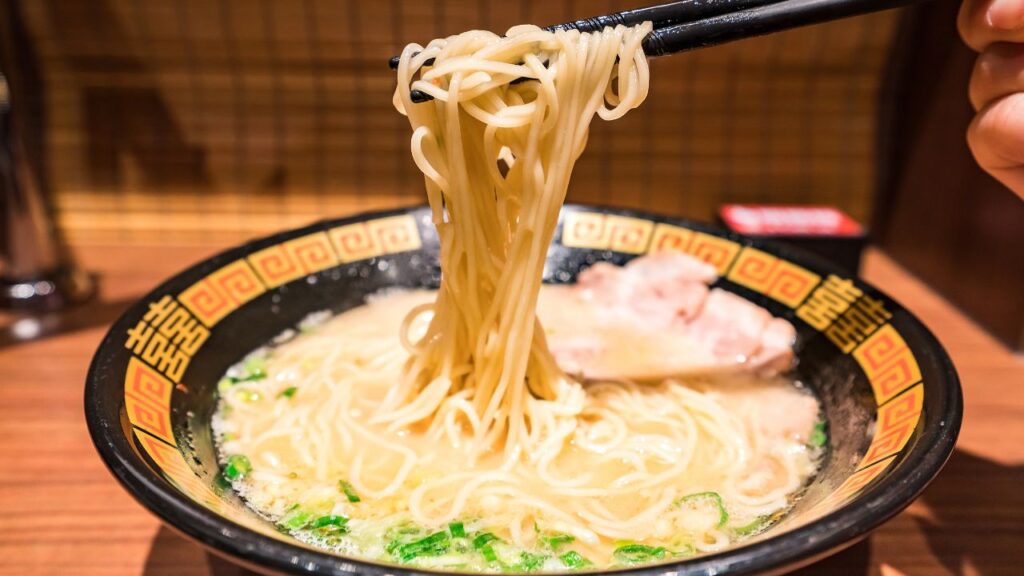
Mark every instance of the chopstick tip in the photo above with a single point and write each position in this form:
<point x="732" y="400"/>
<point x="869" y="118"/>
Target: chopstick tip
<point x="418" y="96"/>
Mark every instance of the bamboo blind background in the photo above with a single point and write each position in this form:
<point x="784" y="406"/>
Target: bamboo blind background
<point x="219" y="120"/>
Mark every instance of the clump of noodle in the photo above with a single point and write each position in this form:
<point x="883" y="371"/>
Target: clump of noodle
<point x="472" y="367"/>
<point x="497" y="157"/>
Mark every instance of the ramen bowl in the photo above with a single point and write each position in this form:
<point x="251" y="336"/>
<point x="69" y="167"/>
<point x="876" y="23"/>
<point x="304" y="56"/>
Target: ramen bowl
<point x="888" y="389"/>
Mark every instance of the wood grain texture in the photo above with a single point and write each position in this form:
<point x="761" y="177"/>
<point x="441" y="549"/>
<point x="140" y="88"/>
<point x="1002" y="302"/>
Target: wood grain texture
<point x="62" y="513"/>
<point x="191" y="108"/>
<point x="939" y="214"/>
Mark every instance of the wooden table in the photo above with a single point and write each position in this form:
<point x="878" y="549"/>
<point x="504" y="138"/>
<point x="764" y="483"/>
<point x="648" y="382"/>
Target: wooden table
<point x="62" y="513"/>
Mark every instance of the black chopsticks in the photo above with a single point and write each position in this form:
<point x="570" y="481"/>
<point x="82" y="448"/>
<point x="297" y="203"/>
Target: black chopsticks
<point x="758" y="21"/>
<point x="661" y="16"/>
<point x="691" y="24"/>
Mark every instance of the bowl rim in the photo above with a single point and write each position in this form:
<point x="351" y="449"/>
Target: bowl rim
<point x="846" y="524"/>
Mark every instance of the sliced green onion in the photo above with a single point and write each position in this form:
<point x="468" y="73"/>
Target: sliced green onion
<point x="483" y="540"/>
<point x="818" y="437"/>
<point x="572" y="559"/>
<point x="638" y="553"/>
<point x="331" y="523"/>
<point x="713" y="497"/>
<point x="556" y="541"/>
<point x="530" y="562"/>
<point x="752" y="527"/>
<point x="457" y="530"/>
<point x="255" y="369"/>
<point x="349" y="491"/>
<point x="221" y="483"/>
<point x="237" y="467"/>
<point x="488" y="553"/>
<point x="401" y="534"/>
<point x="248" y="395"/>
<point x="686" y="550"/>
<point x="225" y="384"/>
<point x="288" y="392"/>
<point x="295" y="519"/>
<point x="433" y="545"/>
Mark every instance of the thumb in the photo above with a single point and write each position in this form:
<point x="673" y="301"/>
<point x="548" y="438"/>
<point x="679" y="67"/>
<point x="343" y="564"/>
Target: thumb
<point x="996" y="138"/>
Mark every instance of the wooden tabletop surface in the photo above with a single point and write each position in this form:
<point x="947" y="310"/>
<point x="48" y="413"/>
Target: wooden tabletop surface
<point x="62" y="513"/>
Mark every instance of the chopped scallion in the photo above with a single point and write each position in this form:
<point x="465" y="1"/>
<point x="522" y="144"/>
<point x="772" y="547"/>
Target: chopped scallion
<point x="401" y="534"/>
<point x="684" y="551"/>
<point x="530" y="562"/>
<point x="349" y="491"/>
<point x="713" y="497"/>
<point x="237" y="467"/>
<point x="752" y="527"/>
<point x="638" y="553"/>
<point x="330" y="523"/>
<point x="225" y="384"/>
<point x="573" y="559"/>
<point x="255" y="369"/>
<point x="483" y="540"/>
<point x="556" y="541"/>
<point x="433" y="545"/>
<point x="288" y="392"/>
<point x="295" y="520"/>
<point x="818" y="437"/>
<point x="457" y="530"/>
<point x="248" y="395"/>
<point x="488" y="553"/>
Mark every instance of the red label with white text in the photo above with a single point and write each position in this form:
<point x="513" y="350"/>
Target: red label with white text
<point x="789" y="220"/>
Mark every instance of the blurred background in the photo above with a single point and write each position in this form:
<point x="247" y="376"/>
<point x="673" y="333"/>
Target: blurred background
<point x="155" y="122"/>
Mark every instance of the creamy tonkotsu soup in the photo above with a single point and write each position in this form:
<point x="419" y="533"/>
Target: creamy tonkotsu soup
<point x="622" y="472"/>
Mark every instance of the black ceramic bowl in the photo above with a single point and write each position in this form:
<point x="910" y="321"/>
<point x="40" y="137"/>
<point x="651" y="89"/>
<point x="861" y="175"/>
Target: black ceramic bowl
<point x="889" y="391"/>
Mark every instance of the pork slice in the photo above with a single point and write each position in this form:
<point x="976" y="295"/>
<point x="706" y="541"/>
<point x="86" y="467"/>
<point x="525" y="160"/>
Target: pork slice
<point x="731" y="325"/>
<point x="660" y="288"/>
<point x="655" y="318"/>
<point x="669" y="267"/>
<point x="605" y="284"/>
<point x="739" y="331"/>
<point x="776" y="352"/>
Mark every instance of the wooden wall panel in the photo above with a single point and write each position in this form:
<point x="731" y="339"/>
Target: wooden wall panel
<point x="182" y="118"/>
<point x="940" y="215"/>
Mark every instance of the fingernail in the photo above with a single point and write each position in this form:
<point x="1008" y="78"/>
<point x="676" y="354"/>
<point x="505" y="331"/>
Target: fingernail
<point x="1006" y="14"/>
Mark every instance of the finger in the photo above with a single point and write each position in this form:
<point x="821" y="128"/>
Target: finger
<point x="985" y="22"/>
<point x="998" y="72"/>
<point x="996" y="138"/>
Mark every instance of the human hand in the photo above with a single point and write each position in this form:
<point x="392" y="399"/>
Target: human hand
<point x="995" y="29"/>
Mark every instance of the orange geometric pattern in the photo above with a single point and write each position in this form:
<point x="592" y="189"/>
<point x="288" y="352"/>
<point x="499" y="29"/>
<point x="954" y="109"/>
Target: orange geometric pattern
<point x="854" y="484"/>
<point x="294" y="259"/>
<point x="176" y="470"/>
<point x="364" y="240"/>
<point x="313" y="252"/>
<point x="220" y="293"/>
<point x="773" y="277"/>
<point x="716" y="251"/>
<point x="829" y="300"/>
<point x="895" y="425"/>
<point x="147" y="399"/>
<point x="888" y="363"/>
<point x="606" y="232"/>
